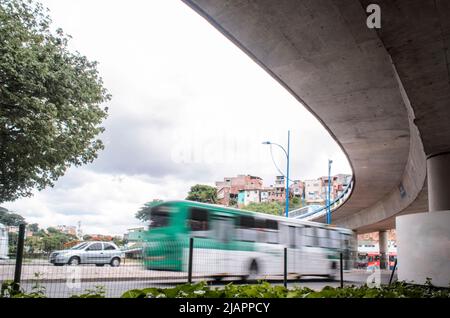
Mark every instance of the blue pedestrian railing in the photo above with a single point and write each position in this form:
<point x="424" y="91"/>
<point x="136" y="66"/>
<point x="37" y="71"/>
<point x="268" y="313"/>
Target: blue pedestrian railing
<point x="315" y="211"/>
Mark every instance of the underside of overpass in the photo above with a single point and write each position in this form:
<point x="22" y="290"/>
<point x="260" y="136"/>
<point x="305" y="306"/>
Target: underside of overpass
<point x="383" y="94"/>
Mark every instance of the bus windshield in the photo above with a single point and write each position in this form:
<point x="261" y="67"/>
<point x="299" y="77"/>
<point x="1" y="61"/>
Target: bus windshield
<point x="159" y="217"/>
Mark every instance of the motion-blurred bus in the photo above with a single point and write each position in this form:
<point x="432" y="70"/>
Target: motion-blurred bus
<point x="239" y="243"/>
<point x="3" y="242"/>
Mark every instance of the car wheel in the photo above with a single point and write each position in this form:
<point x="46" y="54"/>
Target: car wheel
<point x="75" y="260"/>
<point x="115" y="262"/>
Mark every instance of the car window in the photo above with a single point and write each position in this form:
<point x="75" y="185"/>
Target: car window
<point x="109" y="247"/>
<point x="79" y="246"/>
<point x="95" y="247"/>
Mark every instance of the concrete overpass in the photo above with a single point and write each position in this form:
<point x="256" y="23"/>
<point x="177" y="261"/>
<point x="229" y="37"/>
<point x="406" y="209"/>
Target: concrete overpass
<point x="383" y="94"/>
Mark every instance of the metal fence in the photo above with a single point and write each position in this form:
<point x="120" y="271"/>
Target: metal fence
<point x="29" y="266"/>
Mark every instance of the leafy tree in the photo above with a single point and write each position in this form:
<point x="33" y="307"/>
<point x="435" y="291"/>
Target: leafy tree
<point x="274" y="208"/>
<point x="40" y="233"/>
<point x="34" y="227"/>
<point x="9" y="218"/>
<point x="119" y="241"/>
<point x="50" y="102"/>
<point x="55" y="240"/>
<point x="12" y="242"/>
<point x="295" y="203"/>
<point x="144" y="213"/>
<point x="233" y="202"/>
<point x="203" y="193"/>
<point x="52" y="230"/>
<point x="33" y="244"/>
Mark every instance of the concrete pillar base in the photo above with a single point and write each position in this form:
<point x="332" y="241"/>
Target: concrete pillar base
<point x="423" y="248"/>
<point x="438" y="172"/>
<point x="384" y="246"/>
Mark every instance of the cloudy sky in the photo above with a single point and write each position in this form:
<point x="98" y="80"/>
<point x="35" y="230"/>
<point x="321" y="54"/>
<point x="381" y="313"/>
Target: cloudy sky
<point x="188" y="107"/>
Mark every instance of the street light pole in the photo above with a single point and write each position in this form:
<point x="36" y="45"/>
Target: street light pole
<point x="287" y="172"/>
<point x="287" y="176"/>
<point x="329" y="192"/>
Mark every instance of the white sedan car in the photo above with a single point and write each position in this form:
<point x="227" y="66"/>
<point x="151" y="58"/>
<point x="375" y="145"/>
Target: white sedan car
<point x="98" y="253"/>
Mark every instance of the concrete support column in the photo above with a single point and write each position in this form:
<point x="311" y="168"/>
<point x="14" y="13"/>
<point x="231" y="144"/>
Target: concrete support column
<point x="438" y="173"/>
<point x="423" y="248"/>
<point x="423" y="238"/>
<point x="383" y="243"/>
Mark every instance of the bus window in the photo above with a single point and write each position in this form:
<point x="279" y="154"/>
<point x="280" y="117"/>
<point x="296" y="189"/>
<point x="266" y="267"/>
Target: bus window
<point x="335" y="239"/>
<point x="272" y="224"/>
<point x="246" y="229"/>
<point x="272" y="231"/>
<point x="260" y="225"/>
<point x="198" y="219"/>
<point x="223" y="228"/>
<point x="322" y="236"/>
<point x="159" y="217"/>
<point x="291" y="236"/>
<point x="310" y="236"/>
<point x="198" y="222"/>
<point x="299" y="241"/>
<point x="284" y="235"/>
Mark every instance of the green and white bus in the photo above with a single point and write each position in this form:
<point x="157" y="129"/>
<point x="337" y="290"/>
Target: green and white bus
<point x="239" y="243"/>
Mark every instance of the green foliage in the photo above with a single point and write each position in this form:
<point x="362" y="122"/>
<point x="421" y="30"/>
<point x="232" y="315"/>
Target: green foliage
<point x="50" y="105"/>
<point x="203" y="193"/>
<point x="119" y="241"/>
<point x="233" y="202"/>
<point x="296" y="203"/>
<point x="52" y="230"/>
<point x="53" y="240"/>
<point x="144" y="213"/>
<point x="34" y="227"/>
<point x="38" y="291"/>
<point x="97" y="292"/>
<point x="12" y="243"/>
<point x="33" y="244"/>
<point x="260" y="290"/>
<point x="9" y="218"/>
<point x="266" y="290"/>
<point x="274" y="208"/>
<point x="8" y="290"/>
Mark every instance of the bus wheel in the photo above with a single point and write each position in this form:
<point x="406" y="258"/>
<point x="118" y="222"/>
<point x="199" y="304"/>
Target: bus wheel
<point x="253" y="270"/>
<point x="218" y="278"/>
<point x="333" y="273"/>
